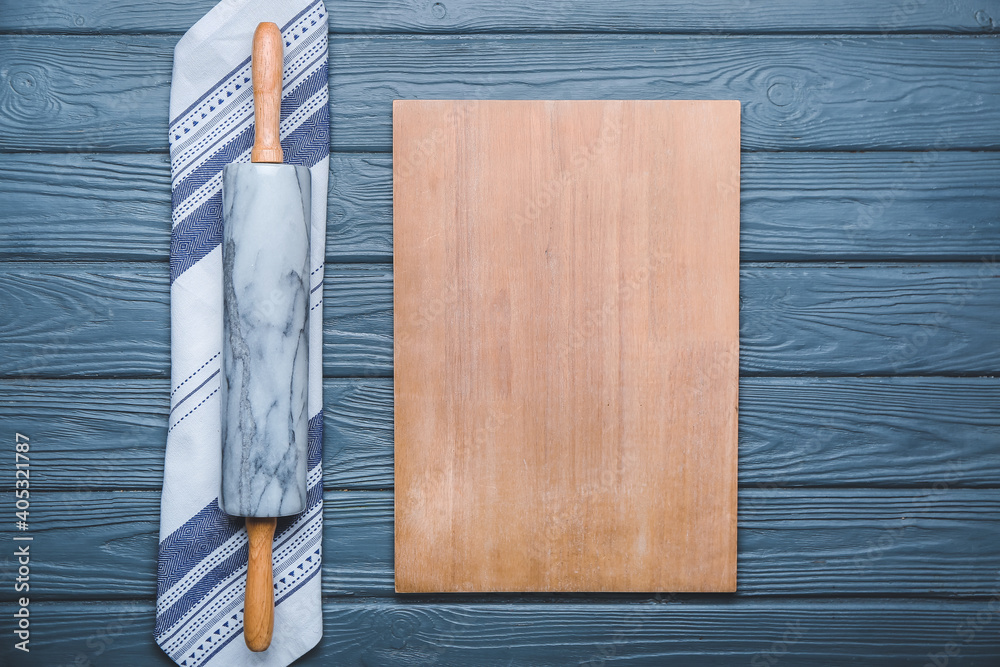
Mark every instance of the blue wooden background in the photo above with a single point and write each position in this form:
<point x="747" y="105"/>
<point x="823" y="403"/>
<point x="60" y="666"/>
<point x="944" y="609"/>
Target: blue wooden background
<point x="870" y="295"/>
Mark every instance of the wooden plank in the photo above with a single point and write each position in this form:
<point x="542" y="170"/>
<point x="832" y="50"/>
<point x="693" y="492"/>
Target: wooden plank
<point x="108" y="93"/>
<point x="530" y="633"/>
<point x="663" y="16"/>
<point x="359" y="209"/>
<point x="88" y="434"/>
<point x="912" y="432"/>
<point x="113" y="319"/>
<point x="792" y="542"/>
<point x="100" y="434"/>
<point x="799" y="94"/>
<point x="465" y="16"/>
<point x="820" y="320"/>
<point x="69" y="206"/>
<point x="103" y="16"/>
<point x="357" y="325"/>
<point x="935" y="205"/>
<point x="357" y="434"/>
<point x="110" y="319"/>
<point x="841" y="320"/>
<point x="869" y="206"/>
<point x="108" y="434"/>
<point x="578" y="393"/>
<point x="104" y="93"/>
<point x="793" y="206"/>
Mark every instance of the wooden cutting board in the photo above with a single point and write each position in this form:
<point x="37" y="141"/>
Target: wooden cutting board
<point x="566" y="303"/>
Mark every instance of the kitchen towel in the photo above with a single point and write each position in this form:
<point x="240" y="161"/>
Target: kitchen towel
<point x="202" y="551"/>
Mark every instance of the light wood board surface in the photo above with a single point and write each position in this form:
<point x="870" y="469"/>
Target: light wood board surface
<point x="566" y="305"/>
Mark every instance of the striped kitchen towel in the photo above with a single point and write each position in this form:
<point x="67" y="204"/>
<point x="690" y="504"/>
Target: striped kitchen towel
<point x="202" y="551"/>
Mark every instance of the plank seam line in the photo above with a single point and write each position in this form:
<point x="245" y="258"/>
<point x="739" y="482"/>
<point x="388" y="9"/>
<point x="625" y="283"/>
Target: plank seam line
<point x="718" y="600"/>
<point x="380" y="266"/>
<point x="53" y="379"/>
<point x="747" y="486"/>
<point x="955" y="33"/>
<point x="388" y="154"/>
<point x="381" y="150"/>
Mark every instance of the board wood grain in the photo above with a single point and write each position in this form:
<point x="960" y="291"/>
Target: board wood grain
<point x="567" y="422"/>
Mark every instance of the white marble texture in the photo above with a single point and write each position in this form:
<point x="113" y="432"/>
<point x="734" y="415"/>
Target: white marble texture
<point x="265" y="258"/>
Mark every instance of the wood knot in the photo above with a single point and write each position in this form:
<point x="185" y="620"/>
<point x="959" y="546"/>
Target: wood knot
<point x="780" y="94"/>
<point x="24" y="93"/>
<point x="23" y="83"/>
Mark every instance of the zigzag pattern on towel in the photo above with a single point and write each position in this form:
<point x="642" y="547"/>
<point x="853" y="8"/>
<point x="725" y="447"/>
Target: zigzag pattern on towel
<point x="201" y="232"/>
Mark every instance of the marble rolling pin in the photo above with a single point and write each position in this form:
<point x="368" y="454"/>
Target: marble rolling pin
<point x="265" y="259"/>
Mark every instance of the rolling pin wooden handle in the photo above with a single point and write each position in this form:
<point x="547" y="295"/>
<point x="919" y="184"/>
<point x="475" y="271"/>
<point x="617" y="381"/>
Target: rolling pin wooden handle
<point x="267" y="66"/>
<point x="258" y="605"/>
